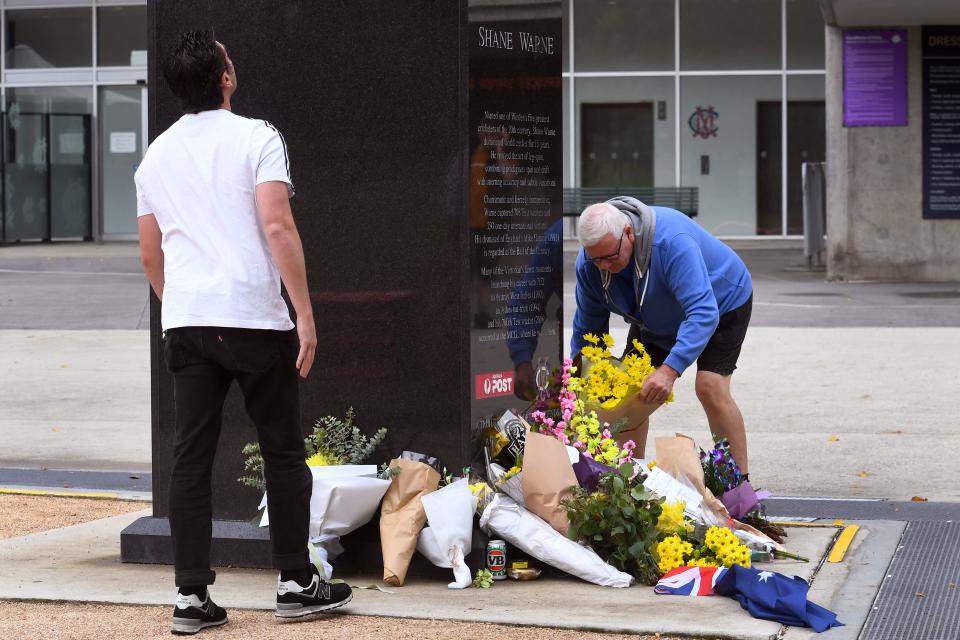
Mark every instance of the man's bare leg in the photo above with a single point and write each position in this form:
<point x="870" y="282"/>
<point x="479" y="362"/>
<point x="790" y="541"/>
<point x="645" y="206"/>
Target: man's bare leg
<point x="723" y="414"/>
<point x="638" y="434"/>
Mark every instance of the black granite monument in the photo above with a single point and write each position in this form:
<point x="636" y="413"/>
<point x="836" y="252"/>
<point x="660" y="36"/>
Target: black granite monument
<point x="425" y="146"/>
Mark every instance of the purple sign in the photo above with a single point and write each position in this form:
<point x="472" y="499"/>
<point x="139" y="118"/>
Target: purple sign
<point x="875" y="78"/>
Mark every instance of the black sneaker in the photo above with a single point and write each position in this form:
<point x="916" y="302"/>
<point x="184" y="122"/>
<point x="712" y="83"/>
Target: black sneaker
<point x="190" y="614"/>
<point x="294" y="600"/>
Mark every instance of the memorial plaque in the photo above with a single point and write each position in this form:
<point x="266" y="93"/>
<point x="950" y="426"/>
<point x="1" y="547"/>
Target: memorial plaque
<point x="515" y="182"/>
<point x="427" y="167"/>
<point x="941" y="122"/>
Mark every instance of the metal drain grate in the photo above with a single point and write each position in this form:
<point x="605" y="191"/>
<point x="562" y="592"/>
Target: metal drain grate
<point x="920" y="598"/>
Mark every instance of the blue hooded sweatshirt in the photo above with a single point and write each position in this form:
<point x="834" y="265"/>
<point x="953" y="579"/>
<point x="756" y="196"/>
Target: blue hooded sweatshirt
<point x="693" y="279"/>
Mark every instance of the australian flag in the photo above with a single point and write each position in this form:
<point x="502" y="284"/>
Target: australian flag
<point x="689" y="581"/>
<point x="774" y="596"/>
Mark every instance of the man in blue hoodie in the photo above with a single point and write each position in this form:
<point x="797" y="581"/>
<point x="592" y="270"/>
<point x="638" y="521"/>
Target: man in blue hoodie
<point x="686" y="295"/>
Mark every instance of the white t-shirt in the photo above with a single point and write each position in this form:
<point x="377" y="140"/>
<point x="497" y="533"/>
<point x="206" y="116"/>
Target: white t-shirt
<point x="199" y="179"/>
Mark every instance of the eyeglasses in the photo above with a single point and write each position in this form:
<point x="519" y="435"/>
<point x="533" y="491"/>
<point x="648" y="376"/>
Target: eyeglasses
<point x="613" y="255"/>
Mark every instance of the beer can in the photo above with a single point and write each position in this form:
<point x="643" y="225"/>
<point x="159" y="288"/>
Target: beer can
<point x="497" y="559"/>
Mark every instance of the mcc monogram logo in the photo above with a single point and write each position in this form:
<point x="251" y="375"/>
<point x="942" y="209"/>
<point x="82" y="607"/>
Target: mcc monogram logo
<point x="703" y="122"/>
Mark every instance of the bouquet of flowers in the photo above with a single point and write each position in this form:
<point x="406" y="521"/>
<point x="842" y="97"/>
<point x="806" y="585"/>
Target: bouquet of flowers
<point x="609" y="381"/>
<point x="345" y="492"/>
<point x="332" y="442"/>
<point x="619" y="522"/>
<point x="637" y="532"/>
<point x="723" y="478"/>
<point x="718" y="548"/>
<point x="579" y="427"/>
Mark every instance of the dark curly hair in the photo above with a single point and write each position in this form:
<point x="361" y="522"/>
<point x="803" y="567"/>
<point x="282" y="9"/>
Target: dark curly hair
<point x="193" y="70"/>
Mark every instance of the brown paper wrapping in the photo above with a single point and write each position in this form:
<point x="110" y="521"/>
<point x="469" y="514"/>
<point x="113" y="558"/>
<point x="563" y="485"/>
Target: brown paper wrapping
<point x="547" y="479"/>
<point x="635" y="410"/>
<point x="402" y="516"/>
<point x="677" y="455"/>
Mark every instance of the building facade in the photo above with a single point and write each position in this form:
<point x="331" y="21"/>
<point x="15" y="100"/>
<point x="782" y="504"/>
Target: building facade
<point x="691" y="93"/>
<point x="74" y="107"/>
<point x="657" y="93"/>
<point x="893" y="192"/>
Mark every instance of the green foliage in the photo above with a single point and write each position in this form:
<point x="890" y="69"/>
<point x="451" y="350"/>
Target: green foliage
<point x="387" y="472"/>
<point x="253" y="466"/>
<point x="449" y="477"/>
<point x="619" y="521"/>
<point x="341" y="439"/>
<point x="340" y="442"/>
<point x="483" y="579"/>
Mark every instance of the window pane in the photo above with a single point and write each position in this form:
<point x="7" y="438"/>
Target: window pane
<point x="804" y="35"/>
<point x="47" y="133"/>
<point x="626" y="132"/>
<point x="729" y="34"/>
<point x="806" y="140"/>
<point x="120" y="153"/>
<point x="623" y="35"/>
<point x="730" y="150"/>
<point x="121" y="36"/>
<point x="45" y="38"/>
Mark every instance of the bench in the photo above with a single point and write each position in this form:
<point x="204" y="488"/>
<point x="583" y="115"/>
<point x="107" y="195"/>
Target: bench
<point x="685" y="199"/>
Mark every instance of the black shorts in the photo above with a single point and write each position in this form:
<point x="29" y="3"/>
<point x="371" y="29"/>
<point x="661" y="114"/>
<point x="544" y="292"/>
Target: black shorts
<point x="722" y="351"/>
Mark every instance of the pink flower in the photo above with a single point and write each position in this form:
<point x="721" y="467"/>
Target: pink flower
<point x="630" y="445"/>
<point x="538" y="416"/>
<point x="606" y="433"/>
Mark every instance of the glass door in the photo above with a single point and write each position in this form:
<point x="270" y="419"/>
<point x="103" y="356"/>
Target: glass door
<point x="121" y="148"/>
<point x="70" y="175"/>
<point x="47" y="163"/>
<point x="25" y="176"/>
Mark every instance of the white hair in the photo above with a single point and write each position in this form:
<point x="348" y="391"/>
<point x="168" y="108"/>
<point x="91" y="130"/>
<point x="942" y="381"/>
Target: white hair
<point x="597" y="221"/>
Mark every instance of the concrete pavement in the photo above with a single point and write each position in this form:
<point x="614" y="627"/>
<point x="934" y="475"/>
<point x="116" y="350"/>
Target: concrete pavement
<point x="843" y="386"/>
<point x="75" y="399"/>
<point x="80" y="563"/>
<point x="848" y="391"/>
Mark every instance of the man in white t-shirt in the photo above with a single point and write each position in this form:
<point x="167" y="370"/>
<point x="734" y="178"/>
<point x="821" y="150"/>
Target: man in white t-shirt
<point x="217" y="237"/>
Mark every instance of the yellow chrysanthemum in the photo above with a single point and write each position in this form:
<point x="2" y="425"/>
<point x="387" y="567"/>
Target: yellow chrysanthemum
<point x="727" y="547"/>
<point x="671" y="516"/>
<point x="323" y="459"/>
<point x="672" y="552"/>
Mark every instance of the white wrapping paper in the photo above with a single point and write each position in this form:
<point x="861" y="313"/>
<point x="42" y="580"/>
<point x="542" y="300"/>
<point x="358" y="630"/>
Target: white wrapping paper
<point x="513" y="486"/>
<point x="675" y="489"/>
<point x="345" y="497"/>
<point x="508" y="520"/>
<point x="450" y="532"/>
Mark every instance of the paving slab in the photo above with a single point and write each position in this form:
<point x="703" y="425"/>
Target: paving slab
<point x="823" y="409"/>
<point x="82" y="563"/>
<point x="75" y="399"/>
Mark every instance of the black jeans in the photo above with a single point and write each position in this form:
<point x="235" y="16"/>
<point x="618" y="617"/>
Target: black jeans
<point x="204" y="362"/>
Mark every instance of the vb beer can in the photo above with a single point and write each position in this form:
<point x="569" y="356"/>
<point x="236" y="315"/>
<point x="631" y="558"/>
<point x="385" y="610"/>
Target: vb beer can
<point x="497" y="559"/>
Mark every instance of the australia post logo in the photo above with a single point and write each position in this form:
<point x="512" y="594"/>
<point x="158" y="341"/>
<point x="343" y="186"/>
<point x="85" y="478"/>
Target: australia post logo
<point x="491" y="385"/>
